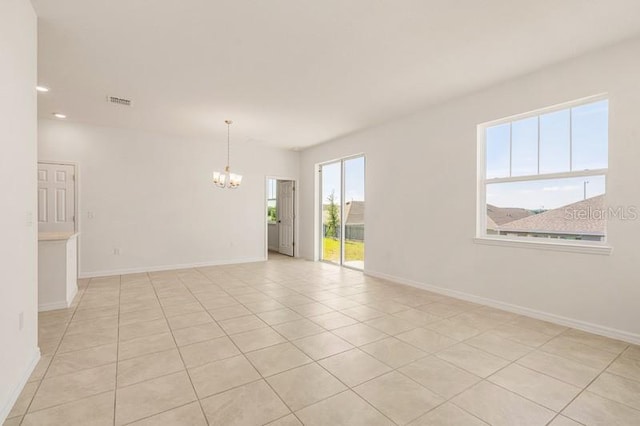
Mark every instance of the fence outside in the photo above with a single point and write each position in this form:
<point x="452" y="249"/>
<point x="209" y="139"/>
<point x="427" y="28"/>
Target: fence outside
<point x="351" y="232"/>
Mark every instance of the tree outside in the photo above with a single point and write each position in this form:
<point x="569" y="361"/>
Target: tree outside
<point x="333" y="217"/>
<point x="272" y="214"/>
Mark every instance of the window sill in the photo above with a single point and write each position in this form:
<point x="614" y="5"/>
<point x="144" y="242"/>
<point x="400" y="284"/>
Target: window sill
<point x="272" y="223"/>
<point x="546" y="245"/>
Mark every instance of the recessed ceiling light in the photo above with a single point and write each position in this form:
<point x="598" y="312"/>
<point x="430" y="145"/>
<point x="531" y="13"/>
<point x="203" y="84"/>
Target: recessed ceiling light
<point x="59" y="115"/>
<point x="42" y="89"/>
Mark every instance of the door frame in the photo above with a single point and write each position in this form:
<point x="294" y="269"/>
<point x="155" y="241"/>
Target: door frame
<point x="319" y="213"/>
<point x="296" y="246"/>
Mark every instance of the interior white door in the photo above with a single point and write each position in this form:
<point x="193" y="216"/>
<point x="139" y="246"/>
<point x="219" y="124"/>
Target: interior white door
<point x="285" y="206"/>
<point x="56" y="198"/>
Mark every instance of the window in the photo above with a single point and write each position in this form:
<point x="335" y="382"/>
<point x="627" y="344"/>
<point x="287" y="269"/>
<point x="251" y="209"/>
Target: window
<point x="543" y="174"/>
<point x="272" y="213"/>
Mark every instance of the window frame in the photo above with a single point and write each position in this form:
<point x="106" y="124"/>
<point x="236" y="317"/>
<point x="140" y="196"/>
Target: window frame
<point x="481" y="237"/>
<point x="275" y="199"/>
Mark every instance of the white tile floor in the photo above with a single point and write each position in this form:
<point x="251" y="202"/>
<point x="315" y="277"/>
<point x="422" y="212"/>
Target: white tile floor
<point x="290" y="342"/>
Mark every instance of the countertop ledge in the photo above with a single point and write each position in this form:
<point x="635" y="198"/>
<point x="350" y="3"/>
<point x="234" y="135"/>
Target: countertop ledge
<point x="55" y="236"/>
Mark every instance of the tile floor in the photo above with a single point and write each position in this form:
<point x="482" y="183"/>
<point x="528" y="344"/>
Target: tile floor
<point x="290" y="342"/>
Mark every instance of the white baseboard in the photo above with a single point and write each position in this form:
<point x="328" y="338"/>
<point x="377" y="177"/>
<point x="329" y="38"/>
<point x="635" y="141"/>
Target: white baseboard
<point x="13" y="396"/>
<point x="96" y="274"/>
<point x="72" y="295"/>
<point x="62" y="304"/>
<point x="516" y="309"/>
<point x="52" y="306"/>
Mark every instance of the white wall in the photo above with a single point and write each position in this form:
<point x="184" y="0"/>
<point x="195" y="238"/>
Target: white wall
<point x="421" y="199"/>
<point x="152" y="197"/>
<point x="18" y="245"/>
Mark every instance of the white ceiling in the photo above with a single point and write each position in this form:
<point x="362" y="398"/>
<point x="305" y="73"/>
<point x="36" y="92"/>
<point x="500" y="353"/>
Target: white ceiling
<point x="293" y="73"/>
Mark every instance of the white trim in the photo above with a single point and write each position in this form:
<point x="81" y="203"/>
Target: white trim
<point x="481" y="198"/>
<point x="13" y="396"/>
<point x="549" y="176"/>
<point x="547" y="110"/>
<point x="296" y="228"/>
<point x="72" y="296"/>
<point x="546" y="244"/>
<point x="318" y="220"/>
<point x="589" y="327"/>
<point x="62" y="304"/>
<point x="342" y="212"/>
<point x="124" y="271"/>
<point x="52" y="306"/>
<point x="348" y="157"/>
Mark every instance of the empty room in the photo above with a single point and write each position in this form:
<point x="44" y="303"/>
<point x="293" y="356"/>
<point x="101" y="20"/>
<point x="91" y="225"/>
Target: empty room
<point x="306" y="212"/>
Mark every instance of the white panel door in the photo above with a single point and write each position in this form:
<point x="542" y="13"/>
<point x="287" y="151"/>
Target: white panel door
<point x="56" y="198"/>
<point x="285" y="203"/>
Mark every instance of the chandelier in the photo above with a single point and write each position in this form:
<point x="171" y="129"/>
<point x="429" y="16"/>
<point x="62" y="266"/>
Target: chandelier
<point x="227" y="179"/>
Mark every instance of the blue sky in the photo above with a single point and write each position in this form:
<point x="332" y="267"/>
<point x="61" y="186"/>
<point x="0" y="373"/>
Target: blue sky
<point x="570" y="140"/>
<point x="354" y="180"/>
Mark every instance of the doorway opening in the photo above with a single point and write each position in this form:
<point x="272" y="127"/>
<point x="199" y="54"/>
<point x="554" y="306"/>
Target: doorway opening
<point x="280" y="217"/>
<point x="342" y="206"/>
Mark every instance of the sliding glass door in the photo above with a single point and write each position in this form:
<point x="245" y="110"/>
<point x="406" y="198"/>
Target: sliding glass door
<point x="353" y="177"/>
<point x="331" y="193"/>
<point x="342" y="215"/>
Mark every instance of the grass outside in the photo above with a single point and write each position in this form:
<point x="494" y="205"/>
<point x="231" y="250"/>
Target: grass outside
<point x="354" y="250"/>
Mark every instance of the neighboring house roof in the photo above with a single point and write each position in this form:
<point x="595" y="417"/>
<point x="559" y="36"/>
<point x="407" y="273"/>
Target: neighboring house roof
<point x="502" y="215"/>
<point x="354" y="214"/>
<point x="584" y="217"/>
<point x="491" y="224"/>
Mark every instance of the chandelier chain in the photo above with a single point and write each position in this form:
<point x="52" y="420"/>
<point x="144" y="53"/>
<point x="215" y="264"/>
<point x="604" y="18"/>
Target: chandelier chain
<point x="227" y="179"/>
<point x="228" y="144"/>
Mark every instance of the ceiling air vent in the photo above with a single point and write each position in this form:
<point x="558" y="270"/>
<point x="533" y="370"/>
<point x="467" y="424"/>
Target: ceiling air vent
<point x="119" y="101"/>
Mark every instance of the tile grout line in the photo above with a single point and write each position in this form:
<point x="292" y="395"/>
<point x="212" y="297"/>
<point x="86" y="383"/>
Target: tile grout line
<point x="532" y="349"/>
<point x="53" y="355"/>
<point x="177" y="348"/>
<point x="67" y="402"/>
<point x="115" y="392"/>
<point x="330" y="287"/>
<point x="509" y="322"/>
<point x="349" y="388"/>
<point x="158" y="413"/>
<point x="69" y="373"/>
<point x="510" y="363"/>
<point x="427" y="354"/>
<point x="100" y="345"/>
<point x="590" y="383"/>
<point x="397" y="369"/>
<point x="314" y="361"/>
<point x="557" y="413"/>
<point x="434" y="354"/>
<point x="262" y="378"/>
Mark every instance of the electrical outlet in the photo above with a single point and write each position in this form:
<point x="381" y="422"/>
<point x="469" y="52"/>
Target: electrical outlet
<point x="29" y="218"/>
<point x="116" y="251"/>
<point x="20" y="320"/>
<point x="90" y="215"/>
